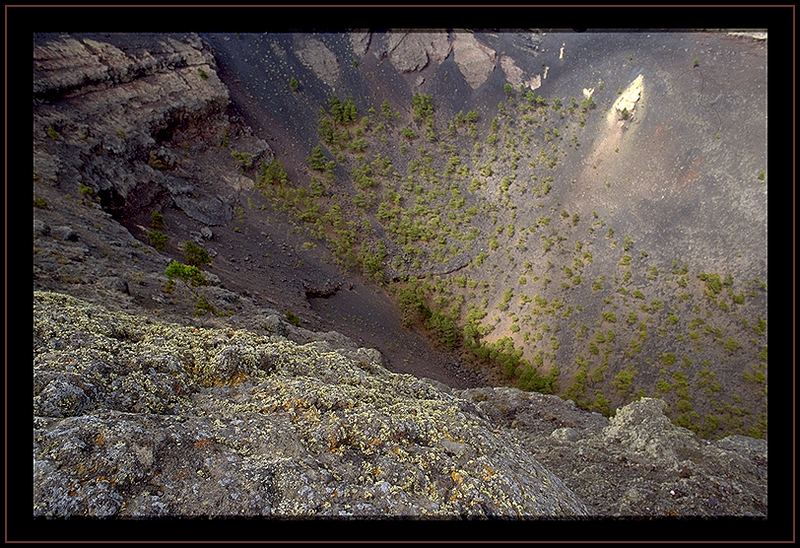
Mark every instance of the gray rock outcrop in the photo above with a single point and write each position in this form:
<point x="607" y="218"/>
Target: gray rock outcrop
<point x="314" y="54"/>
<point x="513" y="73"/>
<point x="413" y="51"/>
<point x="637" y="462"/>
<point x="475" y="60"/>
<point x="360" y="42"/>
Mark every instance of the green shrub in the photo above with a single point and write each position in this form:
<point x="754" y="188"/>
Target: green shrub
<point x="508" y="294"/>
<point x="195" y="255"/>
<point x="408" y="133"/>
<point x="293" y="318"/>
<point x="731" y="345"/>
<point x="624" y="380"/>
<point x="386" y="110"/>
<point x="326" y="131"/>
<point x="672" y="318"/>
<point x="203" y="74"/>
<point x="600" y="404"/>
<point x="668" y="359"/>
<point x="530" y="379"/>
<point x="244" y="159"/>
<point x="372" y="261"/>
<point x="203" y="307"/>
<point x="422" y="106"/>
<point x="157" y="220"/>
<point x="358" y="145"/>
<point x="713" y="283"/>
<point x="187" y="273"/>
<point x="761" y="326"/>
<point x="40" y="202"/>
<point x="412" y="304"/>
<point x="52" y="133"/>
<point x="157" y="239"/>
<point x="343" y="112"/>
<point x="294" y="84"/>
<point x="444" y="328"/>
<point x="85" y="190"/>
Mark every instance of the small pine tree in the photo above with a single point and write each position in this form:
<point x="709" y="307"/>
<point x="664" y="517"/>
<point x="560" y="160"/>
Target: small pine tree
<point x="273" y="173"/>
<point x="317" y="159"/>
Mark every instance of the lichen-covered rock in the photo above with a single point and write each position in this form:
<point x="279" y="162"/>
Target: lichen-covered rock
<point x="138" y="417"/>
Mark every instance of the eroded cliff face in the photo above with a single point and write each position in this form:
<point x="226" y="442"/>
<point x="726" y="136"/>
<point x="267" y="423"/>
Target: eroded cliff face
<point x="133" y="121"/>
<point x="143" y="409"/>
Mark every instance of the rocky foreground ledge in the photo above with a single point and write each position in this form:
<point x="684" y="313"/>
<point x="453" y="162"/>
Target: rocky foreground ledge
<point x="137" y="417"/>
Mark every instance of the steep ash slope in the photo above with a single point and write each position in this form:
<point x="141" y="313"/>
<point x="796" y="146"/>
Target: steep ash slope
<point x="577" y="213"/>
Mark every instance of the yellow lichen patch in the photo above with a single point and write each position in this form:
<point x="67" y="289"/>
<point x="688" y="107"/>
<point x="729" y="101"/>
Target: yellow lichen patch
<point x="293" y="404"/>
<point x="100" y="439"/>
<point x="456" y="477"/>
<point x="488" y="472"/>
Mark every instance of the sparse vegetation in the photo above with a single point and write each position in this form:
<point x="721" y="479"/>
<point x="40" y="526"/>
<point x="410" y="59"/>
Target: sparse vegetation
<point x="157" y="239"/>
<point x="85" y="190"/>
<point x="293" y="318"/>
<point x="187" y="273"/>
<point x="195" y="255"/>
<point x="272" y="173"/>
<point x="157" y="220"/>
<point x="244" y="159"/>
<point x="426" y="203"/>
